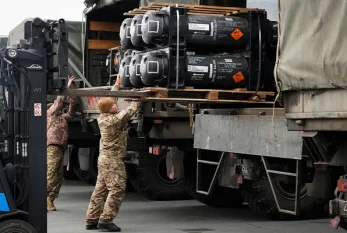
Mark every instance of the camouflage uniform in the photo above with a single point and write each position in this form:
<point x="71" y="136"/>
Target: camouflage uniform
<point x="111" y="182"/>
<point x="57" y="134"/>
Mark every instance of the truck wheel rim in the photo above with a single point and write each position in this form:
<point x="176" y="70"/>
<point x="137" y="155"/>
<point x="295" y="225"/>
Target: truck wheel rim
<point x="287" y="191"/>
<point x="160" y="170"/>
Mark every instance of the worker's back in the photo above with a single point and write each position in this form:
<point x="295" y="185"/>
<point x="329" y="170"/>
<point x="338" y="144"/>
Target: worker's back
<point x="113" y="137"/>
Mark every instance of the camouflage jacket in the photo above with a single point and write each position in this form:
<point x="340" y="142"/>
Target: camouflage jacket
<point x="114" y="134"/>
<point x="57" y="122"/>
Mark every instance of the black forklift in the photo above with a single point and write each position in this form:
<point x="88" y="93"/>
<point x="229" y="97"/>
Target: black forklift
<point x="34" y="64"/>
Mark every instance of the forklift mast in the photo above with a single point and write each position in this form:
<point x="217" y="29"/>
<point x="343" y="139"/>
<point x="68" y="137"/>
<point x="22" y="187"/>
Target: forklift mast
<point x="34" y="63"/>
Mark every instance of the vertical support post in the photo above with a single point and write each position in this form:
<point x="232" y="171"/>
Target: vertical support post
<point x="297" y="186"/>
<point x="197" y="170"/>
<point x="297" y="176"/>
<point x="270" y="182"/>
<point x="37" y="151"/>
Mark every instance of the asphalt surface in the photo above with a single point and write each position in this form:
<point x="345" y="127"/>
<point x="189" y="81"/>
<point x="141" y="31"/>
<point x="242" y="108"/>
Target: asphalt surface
<point x="139" y="215"/>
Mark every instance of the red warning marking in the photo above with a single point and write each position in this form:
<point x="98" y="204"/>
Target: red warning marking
<point x="156" y="150"/>
<point x="92" y="102"/>
<point x="237" y="34"/>
<point x="238" y="77"/>
<point x="37" y="109"/>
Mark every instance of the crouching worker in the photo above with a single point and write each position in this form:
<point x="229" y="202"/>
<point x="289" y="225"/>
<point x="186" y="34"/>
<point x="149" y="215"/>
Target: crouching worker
<point x="111" y="182"/>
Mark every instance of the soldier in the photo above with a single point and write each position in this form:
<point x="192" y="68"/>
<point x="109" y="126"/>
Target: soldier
<point x="57" y="134"/>
<point x="111" y="182"/>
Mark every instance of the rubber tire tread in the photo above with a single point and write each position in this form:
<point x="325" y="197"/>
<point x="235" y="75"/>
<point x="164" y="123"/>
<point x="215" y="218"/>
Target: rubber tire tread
<point x="260" y="199"/>
<point x="15" y="224"/>
<point x="144" y="180"/>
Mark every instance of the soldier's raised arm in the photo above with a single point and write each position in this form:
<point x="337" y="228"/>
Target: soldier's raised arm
<point x="125" y="115"/>
<point x="58" y="104"/>
<point x="116" y="87"/>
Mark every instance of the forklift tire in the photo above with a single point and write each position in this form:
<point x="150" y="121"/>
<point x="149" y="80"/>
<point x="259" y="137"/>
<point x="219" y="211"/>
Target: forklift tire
<point x="260" y="199"/>
<point x="150" y="180"/>
<point x="16" y="225"/>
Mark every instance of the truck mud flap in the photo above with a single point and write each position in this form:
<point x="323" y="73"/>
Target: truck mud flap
<point x="136" y="144"/>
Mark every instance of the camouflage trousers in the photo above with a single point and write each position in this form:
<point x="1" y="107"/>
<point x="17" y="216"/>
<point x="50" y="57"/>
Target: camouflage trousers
<point x="107" y="196"/>
<point x="55" y="165"/>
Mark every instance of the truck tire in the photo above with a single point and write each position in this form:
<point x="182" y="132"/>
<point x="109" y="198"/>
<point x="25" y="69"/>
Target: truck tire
<point x="69" y="174"/>
<point x="132" y="180"/>
<point x="150" y="180"/>
<point x="16" y="225"/>
<point x="87" y="176"/>
<point x="260" y="199"/>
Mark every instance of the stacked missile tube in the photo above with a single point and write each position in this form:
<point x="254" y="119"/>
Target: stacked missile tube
<point x="171" y="48"/>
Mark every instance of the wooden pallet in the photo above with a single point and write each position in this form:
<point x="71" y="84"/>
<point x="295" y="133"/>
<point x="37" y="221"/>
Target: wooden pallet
<point x="187" y="95"/>
<point x="190" y="95"/>
<point x="194" y="9"/>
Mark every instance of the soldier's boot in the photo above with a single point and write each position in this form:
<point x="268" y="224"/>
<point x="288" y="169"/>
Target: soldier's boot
<point x="92" y="226"/>
<point x="110" y="227"/>
<point x="50" y="205"/>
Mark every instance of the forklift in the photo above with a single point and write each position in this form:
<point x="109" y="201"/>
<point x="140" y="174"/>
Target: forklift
<point x="34" y="64"/>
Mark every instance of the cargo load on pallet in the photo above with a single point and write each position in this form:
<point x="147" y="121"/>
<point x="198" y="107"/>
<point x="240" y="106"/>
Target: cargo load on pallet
<point x="197" y="46"/>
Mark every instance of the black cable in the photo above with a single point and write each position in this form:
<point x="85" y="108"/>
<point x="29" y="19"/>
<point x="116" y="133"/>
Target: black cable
<point x="9" y="63"/>
<point x="251" y="50"/>
<point x="26" y="188"/>
<point x="260" y="51"/>
<point x="19" y="197"/>
<point x="28" y="92"/>
<point x="23" y="187"/>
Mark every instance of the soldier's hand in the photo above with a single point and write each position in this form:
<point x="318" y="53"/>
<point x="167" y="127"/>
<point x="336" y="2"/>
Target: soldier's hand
<point x="71" y="79"/>
<point x="118" y="80"/>
<point x="71" y="101"/>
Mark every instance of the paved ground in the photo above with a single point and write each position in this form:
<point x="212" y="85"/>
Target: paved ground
<point x="140" y="215"/>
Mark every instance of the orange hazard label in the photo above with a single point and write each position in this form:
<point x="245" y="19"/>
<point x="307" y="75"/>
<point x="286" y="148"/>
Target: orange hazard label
<point x="238" y="77"/>
<point x="236" y="34"/>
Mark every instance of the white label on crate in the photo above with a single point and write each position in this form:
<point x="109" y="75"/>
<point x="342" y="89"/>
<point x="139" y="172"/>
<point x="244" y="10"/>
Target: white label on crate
<point x="199" y="27"/>
<point x="127" y="71"/>
<point x="201" y="69"/>
<point x="228" y="60"/>
<point x="229" y="19"/>
<point x="128" y="35"/>
<point x="138" y="72"/>
<point x="153" y="67"/>
<point x="139" y="31"/>
<point x="37" y="109"/>
<point x="153" y="26"/>
<point x="211" y="71"/>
